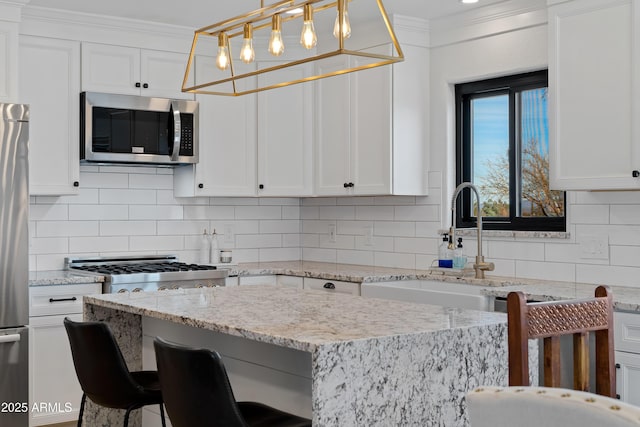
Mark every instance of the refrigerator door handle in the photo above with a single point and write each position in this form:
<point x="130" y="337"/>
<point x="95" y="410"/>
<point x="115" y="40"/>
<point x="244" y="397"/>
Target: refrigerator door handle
<point x="9" y="338"/>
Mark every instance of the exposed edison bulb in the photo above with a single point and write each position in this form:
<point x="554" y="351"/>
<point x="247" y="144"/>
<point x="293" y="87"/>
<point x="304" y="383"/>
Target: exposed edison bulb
<point x="247" y="54"/>
<point x="308" y="38"/>
<point x="222" y="59"/>
<point x="276" y="45"/>
<point x="346" y="25"/>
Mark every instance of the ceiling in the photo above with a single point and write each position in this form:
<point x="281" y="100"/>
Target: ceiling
<point x="198" y="13"/>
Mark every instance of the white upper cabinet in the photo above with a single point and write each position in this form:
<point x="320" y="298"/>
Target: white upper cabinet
<point x="594" y="94"/>
<point x="50" y="84"/>
<point x="8" y="57"/>
<point x="133" y="71"/>
<point x="285" y="136"/>
<point x="371" y="129"/>
<point x="227" y="165"/>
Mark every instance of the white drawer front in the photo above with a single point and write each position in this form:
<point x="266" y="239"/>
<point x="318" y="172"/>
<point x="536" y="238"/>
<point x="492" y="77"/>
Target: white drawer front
<point x="257" y="280"/>
<point x="290" y="281"/>
<point x="59" y="299"/>
<point x="627" y="332"/>
<point x="332" y="286"/>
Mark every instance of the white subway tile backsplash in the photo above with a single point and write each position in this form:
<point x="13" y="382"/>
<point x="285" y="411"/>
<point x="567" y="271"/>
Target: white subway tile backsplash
<point x="127" y="197"/>
<point x="337" y="212"/>
<point x="291" y="212"/>
<point x="180" y="228"/>
<point x="546" y="270"/>
<point x="607" y="197"/>
<point x="127" y="228"/>
<point x="319" y="201"/>
<point x="258" y="212"/>
<point x="608" y="275"/>
<point x="394" y="260"/>
<point x="49" y="245"/>
<point x="86" y="196"/>
<point x="417" y="213"/>
<point x="310" y="240"/>
<point x="316" y="226"/>
<point x="589" y="214"/>
<point x="155" y="212"/>
<point x="429" y="229"/>
<point x="354" y="201"/>
<point x="341" y="242"/>
<point x="152" y="182"/>
<point x="280" y="226"/>
<point x="99" y="244"/>
<point x="625" y="255"/>
<point x="156" y="243"/>
<point x="377" y="243"/>
<point x="354" y="228"/>
<point x="282" y="201"/>
<point x="279" y="254"/>
<point x="395" y="228"/>
<point x="309" y="212"/>
<point x="374" y="213"/>
<point x="291" y="241"/>
<point x="319" y="254"/>
<point x="355" y="257"/>
<point x="65" y="228"/>
<point x="104" y="180"/>
<point x="49" y="212"/>
<point x="625" y="214"/>
<point x="416" y="245"/>
<point x="516" y="250"/>
<point x="98" y="212"/>
<point x="257" y="241"/>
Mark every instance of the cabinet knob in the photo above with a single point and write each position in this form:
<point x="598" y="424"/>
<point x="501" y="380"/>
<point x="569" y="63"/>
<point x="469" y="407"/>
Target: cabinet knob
<point x="137" y="84"/>
<point x="76" y="184"/>
<point x="261" y="186"/>
<point x="617" y="366"/>
<point x="635" y="174"/>
<point x="329" y="285"/>
<point x="351" y="184"/>
<point x="346" y="185"/>
<point x="201" y="185"/>
<point x="145" y="86"/>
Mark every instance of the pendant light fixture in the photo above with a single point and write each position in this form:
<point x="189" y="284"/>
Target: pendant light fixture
<point x="342" y="24"/>
<point x="222" y="59"/>
<point x="247" y="54"/>
<point x="314" y="58"/>
<point x="308" y="37"/>
<point x="276" y="45"/>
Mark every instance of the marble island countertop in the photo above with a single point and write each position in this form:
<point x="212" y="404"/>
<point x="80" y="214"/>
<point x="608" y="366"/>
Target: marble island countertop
<point x="300" y="319"/>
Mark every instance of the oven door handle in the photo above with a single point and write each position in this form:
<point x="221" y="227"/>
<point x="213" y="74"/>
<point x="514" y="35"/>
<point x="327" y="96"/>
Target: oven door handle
<point x="9" y="338"/>
<point x="177" y="131"/>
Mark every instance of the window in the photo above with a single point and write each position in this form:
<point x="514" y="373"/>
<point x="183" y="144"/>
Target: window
<point x="502" y="147"/>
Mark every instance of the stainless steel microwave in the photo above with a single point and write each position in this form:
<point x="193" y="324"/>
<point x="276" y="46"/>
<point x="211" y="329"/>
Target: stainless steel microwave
<point x="137" y="130"/>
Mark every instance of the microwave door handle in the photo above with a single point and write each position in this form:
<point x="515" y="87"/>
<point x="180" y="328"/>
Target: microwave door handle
<point x="177" y="131"/>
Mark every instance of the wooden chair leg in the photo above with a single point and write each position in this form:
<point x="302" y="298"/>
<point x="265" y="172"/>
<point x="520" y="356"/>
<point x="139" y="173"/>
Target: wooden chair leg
<point x="82" y="401"/>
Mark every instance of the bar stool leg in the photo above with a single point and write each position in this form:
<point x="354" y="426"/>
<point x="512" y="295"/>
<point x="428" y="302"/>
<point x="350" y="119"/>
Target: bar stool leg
<point x="126" y="418"/>
<point x="162" y="416"/>
<point x="84" y="398"/>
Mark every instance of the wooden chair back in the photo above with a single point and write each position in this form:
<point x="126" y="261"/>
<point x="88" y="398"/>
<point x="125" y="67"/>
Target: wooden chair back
<point x="549" y="321"/>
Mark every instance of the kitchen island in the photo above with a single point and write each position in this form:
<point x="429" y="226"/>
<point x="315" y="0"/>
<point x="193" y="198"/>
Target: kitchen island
<point x="342" y="360"/>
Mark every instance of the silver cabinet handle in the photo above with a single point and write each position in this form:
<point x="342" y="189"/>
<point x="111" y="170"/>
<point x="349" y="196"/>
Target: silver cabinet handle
<point x="329" y="285"/>
<point x="9" y="338"/>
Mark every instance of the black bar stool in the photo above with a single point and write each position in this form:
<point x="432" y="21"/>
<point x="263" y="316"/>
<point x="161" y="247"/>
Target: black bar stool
<point x="103" y="373"/>
<point x="197" y="392"/>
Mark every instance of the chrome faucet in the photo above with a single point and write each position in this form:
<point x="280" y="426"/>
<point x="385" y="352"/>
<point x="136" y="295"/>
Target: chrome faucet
<point x="480" y="265"/>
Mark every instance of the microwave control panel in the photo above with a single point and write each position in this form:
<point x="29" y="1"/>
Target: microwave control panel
<point x="186" y="136"/>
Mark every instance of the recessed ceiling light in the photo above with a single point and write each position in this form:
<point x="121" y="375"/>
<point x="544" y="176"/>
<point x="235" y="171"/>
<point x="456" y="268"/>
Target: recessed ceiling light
<point x="468" y="1"/>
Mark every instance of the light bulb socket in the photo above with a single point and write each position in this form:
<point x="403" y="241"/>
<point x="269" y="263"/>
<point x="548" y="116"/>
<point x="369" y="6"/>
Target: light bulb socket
<point x="248" y="31"/>
<point x="307" y="14"/>
<point x="276" y="23"/>
<point x="223" y="39"/>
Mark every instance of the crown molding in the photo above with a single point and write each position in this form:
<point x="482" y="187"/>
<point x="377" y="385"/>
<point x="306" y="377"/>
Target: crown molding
<point x="47" y="22"/>
<point x="488" y="20"/>
<point x="11" y="10"/>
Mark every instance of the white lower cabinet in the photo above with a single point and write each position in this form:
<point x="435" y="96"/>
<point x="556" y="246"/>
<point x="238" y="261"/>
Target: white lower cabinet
<point x="627" y="356"/>
<point x="336" y="286"/>
<point x="53" y="386"/>
<point x="257" y="280"/>
<point x="290" y="281"/>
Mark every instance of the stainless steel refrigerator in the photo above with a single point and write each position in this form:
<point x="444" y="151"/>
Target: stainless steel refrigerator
<point x="14" y="265"/>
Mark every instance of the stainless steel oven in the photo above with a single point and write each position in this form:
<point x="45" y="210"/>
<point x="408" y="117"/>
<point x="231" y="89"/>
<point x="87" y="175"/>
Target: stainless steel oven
<point x="138" y="130"/>
<point x="147" y="273"/>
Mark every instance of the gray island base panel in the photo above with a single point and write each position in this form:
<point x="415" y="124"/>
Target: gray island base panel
<point x="373" y="362"/>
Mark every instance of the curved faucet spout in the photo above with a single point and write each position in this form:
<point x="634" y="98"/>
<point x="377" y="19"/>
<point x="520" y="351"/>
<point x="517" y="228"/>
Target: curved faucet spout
<point x="480" y="265"/>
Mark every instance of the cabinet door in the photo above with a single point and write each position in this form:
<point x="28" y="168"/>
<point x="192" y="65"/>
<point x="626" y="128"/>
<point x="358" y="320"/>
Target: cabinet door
<point x="628" y="377"/>
<point x="163" y="73"/>
<point x="332" y="133"/>
<point x="50" y="84"/>
<point x="227" y="165"/>
<point x="371" y="138"/>
<point x="8" y="54"/>
<point x="111" y="69"/>
<point x="285" y="136"/>
<point x="52" y="376"/>
<point x="591" y="55"/>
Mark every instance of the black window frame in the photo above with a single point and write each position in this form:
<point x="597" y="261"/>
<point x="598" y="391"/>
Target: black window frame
<point x="464" y="93"/>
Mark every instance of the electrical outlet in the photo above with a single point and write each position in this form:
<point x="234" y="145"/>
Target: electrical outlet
<point x="332" y="233"/>
<point x="594" y="247"/>
<point x="368" y="235"/>
<point x="229" y="234"/>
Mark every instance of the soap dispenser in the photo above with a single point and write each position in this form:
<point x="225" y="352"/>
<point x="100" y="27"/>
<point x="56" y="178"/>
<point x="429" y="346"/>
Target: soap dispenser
<point x="445" y="257"/>
<point x="459" y="260"/>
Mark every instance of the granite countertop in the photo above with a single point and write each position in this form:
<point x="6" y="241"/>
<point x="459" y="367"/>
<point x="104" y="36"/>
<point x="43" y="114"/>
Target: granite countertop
<point x="61" y="277"/>
<point x="624" y="298"/>
<point x="294" y="318"/>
